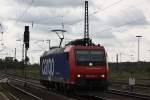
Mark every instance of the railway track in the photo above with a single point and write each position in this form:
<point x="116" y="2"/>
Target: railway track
<point x="136" y="85"/>
<point x="76" y="97"/>
<point x="138" y="88"/>
<point x="88" y="97"/>
<point x="129" y="94"/>
<point x="37" y="85"/>
<point x="35" y="80"/>
<point x="119" y="93"/>
<point x="34" y="89"/>
<point x="25" y="92"/>
<point x="14" y="93"/>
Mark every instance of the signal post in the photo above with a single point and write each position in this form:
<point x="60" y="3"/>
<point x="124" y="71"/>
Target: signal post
<point x="26" y="45"/>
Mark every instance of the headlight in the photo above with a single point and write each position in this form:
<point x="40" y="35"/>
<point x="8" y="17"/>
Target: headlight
<point x="78" y="75"/>
<point x="103" y="76"/>
<point x="90" y="64"/>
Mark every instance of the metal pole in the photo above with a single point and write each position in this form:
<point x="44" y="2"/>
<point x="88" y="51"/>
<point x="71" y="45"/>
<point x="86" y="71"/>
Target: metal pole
<point x="49" y="41"/>
<point x="149" y="50"/>
<point x="86" y="21"/>
<point x="23" y="63"/>
<point x="138" y="50"/>
<point x="138" y="47"/>
<point x="117" y="58"/>
<point x="25" y="69"/>
<point x="23" y="52"/>
<point x="49" y="44"/>
<point x="131" y="58"/>
<point x="120" y="57"/>
<point x="117" y="62"/>
<point x="15" y="54"/>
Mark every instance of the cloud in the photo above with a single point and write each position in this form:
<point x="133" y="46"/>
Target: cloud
<point x="105" y="33"/>
<point x="54" y="3"/>
<point x="115" y="28"/>
<point x="128" y="17"/>
<point x="53" y="16"/>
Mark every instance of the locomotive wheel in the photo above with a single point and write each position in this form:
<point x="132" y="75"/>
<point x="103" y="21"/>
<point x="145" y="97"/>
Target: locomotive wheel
<point x="58" y="86"/>
<point x="52" y="86"/>
<point x="61" y="87"/>
<point x="64" y="89"/>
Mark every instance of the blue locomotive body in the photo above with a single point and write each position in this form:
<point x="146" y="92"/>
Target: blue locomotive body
<point x="55" y="67"/>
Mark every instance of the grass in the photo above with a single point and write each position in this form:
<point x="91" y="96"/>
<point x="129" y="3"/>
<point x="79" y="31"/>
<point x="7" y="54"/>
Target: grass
<point x="140" y="77"/>
<point x="32" y="72"/>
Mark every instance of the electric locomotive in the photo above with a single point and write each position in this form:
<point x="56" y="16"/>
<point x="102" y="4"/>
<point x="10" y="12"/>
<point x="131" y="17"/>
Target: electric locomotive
<point x="77" y="65"/>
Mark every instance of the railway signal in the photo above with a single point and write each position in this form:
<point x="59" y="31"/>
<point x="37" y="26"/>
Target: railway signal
<point x="26" y="43"/>
<point x="26" y="37"/>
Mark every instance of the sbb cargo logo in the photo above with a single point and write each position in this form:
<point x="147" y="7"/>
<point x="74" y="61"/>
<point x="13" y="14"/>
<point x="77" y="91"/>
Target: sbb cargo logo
<point x="48" y="67"/>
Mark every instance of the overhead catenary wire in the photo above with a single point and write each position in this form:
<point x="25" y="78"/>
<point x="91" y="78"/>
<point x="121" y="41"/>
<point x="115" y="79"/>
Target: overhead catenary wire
<point x="105" y="8"/>
<point x="50" y="18"/>
<point x="110" y="28"/>
<point x="121" y="25"/>
<point x="95" y="12"/>
<point x="25" y="11"/>
<point x="109" y="6"/>
<point x="41" y="20"/>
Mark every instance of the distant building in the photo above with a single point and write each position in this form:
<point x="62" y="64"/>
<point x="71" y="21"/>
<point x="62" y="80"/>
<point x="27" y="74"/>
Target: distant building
<point x="9" y="58"/>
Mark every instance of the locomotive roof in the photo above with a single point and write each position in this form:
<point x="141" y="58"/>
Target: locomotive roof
<point x="82" y="42"/>
<point x="54" y="50"/>
<point x="77" y="42"/>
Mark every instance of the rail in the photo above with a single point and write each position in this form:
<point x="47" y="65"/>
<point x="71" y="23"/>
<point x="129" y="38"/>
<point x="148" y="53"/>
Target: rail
<point x="131" y="94"/>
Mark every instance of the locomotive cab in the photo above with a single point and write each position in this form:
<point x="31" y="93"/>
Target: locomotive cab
<point x="88" y="66"/>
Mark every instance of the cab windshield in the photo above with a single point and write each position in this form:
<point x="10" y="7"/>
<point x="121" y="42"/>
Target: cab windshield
<point x="90" y="57"/>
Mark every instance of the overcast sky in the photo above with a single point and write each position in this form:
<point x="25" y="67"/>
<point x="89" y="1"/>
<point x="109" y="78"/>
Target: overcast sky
<point x="113" y="24"/>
